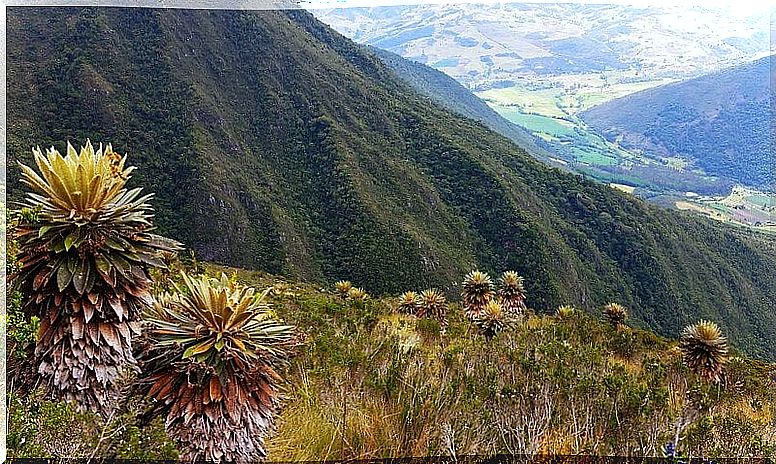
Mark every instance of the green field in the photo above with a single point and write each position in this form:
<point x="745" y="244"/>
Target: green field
<point x="762" y="200"/>
<point x="548" y="112"/>
<point x="446" y="63"/>
<point x="744" y="206"/>
<point x="587" y="98"/>
<point x="548" y="109"/>
<point x="594" y="157"/>
<point x="565" y="95"/>
<point x="537" y="123"/>
<point x="542" y="101"/>
<point x="572" y="139"/>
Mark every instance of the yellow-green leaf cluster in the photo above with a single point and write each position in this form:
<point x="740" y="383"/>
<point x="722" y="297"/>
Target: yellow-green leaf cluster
<point x="81" y="182"/>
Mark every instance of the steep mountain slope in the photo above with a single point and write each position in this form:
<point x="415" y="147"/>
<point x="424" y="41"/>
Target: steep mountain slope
<point x="720" y="122"/>
<point x="275" y="143"/>
<point x="450" y="94"/>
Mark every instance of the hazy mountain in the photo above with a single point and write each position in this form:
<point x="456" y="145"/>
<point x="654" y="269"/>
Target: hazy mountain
<point x="498" y="44"/>
<point x="541" y="65"/>
<point x="719" y="122"/>
<point x="275" y="143"/>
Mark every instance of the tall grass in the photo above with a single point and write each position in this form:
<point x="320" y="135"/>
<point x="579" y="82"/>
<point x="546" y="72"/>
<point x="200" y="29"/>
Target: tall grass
<point x="372" y="384"/>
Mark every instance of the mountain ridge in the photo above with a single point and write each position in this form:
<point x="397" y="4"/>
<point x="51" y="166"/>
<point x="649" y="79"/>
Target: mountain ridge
<point x="450" y="94"/>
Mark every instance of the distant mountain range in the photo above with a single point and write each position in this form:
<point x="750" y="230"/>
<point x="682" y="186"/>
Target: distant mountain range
<point x="275" y="143"/>
<point x="491" y="45"/>
<point x="719" y="122"/>
<point x="542" y="66"/>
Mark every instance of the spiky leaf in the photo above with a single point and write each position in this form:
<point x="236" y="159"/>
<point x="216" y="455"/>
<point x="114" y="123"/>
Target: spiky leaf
<point x="704" y="349"/>
<point x="493" y="319"/>
<point x="211" y="365"/>
<point x="409" y="303"/>
<point x="433" y="303"/>
<point x="343" y="288"/>
<point x="477" y="291"/>
<point x="565" y="311"/>
<point x="85" y="256"/>
<point x="616" y="314"/>
<point x="358" y="294"/>
<point x="511" y="293"/>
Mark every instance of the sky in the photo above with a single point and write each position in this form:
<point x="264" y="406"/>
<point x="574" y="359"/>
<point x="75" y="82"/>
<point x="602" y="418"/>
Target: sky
<point x="743" y="5"/>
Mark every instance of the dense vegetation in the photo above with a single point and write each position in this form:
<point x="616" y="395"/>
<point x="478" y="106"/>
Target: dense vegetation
<point x="721" y="122"/>
<point x="450" y="94"/>
<point x="368" y="382"/>
<point x="212" y="354"/>
<point x="85" y="249"/>
<point x="274" y="143"/>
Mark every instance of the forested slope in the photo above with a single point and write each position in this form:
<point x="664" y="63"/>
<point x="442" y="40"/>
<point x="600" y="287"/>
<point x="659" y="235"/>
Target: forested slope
<point x="720" y="122"/>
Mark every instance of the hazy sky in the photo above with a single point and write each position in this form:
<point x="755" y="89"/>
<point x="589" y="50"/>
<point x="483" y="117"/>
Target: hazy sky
<point x="742" y="5"/>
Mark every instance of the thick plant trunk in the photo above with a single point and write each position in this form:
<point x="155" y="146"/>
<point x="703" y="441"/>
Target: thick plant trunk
<point x="84" y="362"/>
<point x="215" y="435"/>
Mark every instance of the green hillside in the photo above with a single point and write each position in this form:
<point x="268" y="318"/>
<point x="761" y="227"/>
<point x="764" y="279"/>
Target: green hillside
<point x="719" y="122"/>
<point x="274" y="143"/>
<point x="448" y="93"/>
